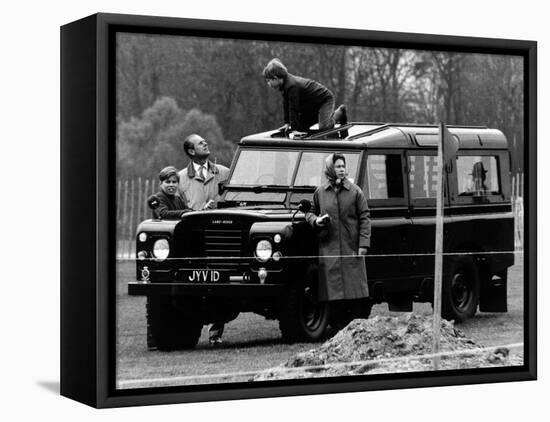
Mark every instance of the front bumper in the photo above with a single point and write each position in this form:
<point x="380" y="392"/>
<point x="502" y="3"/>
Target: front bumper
<point x="206" y="290"/>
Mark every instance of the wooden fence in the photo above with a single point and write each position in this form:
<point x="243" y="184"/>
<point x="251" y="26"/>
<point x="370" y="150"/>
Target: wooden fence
<point x="132" y="208"/>
<point x="517" y="208"/>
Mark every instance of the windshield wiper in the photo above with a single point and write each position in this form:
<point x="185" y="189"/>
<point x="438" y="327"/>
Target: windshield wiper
<point x="269" y="188"/>
<point x="260" y="188"/>
<point x="256" y="188"/>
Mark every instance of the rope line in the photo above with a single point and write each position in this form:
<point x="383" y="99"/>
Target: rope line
<point x="214" y="258"/>
<point x="315" y="368"/>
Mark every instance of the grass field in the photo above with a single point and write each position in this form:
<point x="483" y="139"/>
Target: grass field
<point x="252" y="343"/>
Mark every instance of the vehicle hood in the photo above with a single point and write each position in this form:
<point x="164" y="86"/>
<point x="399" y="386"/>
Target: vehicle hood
<point x="250" y="212"/>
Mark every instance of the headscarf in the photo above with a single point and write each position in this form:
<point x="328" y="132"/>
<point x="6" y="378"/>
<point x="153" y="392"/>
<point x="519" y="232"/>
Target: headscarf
<point x="329" y="168"/>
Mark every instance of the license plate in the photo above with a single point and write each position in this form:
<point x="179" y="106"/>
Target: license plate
<point x="203" y="276"/>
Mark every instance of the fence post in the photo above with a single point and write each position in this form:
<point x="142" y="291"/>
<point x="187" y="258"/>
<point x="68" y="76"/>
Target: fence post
<point x="131" y="218"/>
<point x="124" y="219"/>
<point x="146" y="196"/>
<point x="522" y="185"/>
<point x="515" y="209"/>
<point x="139" y="207"/>
<point x="516" y="186"/>
<point x="513" y="197"/>
<point x="118" y="191"/>
<point x="521" y="212"/>
<point x="117" y="221"/>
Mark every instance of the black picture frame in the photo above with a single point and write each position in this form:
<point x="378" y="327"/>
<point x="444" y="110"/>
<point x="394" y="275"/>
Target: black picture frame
<point x="88" y="232"/>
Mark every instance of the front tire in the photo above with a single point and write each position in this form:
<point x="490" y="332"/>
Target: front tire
<point x="171" y="326"/>
<point x="303" y="317"/>
<point x="461" y="291"/>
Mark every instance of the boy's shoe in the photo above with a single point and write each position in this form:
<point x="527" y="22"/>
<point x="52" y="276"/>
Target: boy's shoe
<point x="340" y="115"/>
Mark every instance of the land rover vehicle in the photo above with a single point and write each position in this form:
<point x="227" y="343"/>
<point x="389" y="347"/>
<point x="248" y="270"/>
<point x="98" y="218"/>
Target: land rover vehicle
<point x="256" y="253"/>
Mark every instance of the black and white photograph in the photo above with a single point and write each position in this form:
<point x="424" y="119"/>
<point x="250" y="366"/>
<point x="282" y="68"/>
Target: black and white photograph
<point x="249" y="211"/>
<point x="290" y="210"/>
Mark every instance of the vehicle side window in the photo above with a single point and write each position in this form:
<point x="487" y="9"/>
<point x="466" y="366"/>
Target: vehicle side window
<point x="312" y="168"/>
<point x="423" y="176"/>
<point x="477" y="175"/>
<point x="384" y="176"/>
<point x="311" y="172"/>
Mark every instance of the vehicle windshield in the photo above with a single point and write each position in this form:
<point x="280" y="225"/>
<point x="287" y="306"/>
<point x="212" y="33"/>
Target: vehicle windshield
<point x="276" y="168"/>
<point x="262" y="168"/>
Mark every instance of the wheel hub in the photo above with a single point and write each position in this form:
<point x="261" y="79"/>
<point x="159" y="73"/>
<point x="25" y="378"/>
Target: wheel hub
<point x="461" y="291"/>
<point x="311" y="310"/>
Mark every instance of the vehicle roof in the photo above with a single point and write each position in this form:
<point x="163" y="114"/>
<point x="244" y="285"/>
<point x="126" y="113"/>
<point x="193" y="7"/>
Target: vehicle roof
<point x="363" y="135"/>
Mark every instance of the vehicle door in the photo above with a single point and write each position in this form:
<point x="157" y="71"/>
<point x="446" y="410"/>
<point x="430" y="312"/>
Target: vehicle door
<point x="383" y="182"/>
<point x="422" y="184"/>
<point x="482" y="211"/>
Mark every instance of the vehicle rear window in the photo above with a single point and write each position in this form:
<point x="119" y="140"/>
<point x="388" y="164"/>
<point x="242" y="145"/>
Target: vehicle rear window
<point x="384" y="176"/>
<point x="477" y="175"/>
<point x="423" y="176"/>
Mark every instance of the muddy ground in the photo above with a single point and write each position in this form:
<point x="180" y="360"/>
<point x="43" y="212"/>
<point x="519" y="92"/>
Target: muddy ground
<point x="253" y="345"/>
<point x="390" y="344"/>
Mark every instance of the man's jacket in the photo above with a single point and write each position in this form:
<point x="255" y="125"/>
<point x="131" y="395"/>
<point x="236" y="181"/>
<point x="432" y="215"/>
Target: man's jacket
<point x="197" y="191"/>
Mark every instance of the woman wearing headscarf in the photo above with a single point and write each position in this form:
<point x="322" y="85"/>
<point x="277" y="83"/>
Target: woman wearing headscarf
<point x="341" y="217"/>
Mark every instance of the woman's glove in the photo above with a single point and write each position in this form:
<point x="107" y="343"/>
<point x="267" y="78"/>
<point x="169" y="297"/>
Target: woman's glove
<point x="322" y="221"/>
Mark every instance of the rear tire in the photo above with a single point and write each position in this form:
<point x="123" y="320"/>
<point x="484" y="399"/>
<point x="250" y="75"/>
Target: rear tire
<point x="461" y="291"/>
<point x="171" y="326"/>
<point x="303" y="317"/>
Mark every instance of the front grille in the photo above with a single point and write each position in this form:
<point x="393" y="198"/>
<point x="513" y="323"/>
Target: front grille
<point x="215" y="242"/>
<point x="224" y="248"/>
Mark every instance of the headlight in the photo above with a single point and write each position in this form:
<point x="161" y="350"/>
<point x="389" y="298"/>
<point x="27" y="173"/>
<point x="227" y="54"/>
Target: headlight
<point x="263" y="250"/>
<point x="161" y="249"/>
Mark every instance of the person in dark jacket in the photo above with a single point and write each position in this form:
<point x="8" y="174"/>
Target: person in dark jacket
<point x="340" y="216"/>
<point x="305" y="101"/>
<point x="172" y="205"/>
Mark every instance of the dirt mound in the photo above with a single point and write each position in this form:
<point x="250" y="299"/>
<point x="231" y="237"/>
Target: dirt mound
<point x="387" y="344"/>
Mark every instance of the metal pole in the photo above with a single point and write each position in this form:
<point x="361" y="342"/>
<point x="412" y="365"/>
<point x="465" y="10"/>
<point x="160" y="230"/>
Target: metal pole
<point x="438" y="276"/>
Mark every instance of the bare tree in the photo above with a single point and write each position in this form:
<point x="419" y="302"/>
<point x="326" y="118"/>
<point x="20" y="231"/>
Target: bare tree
<point x="449" y="66"/>
<point x="223" y="78"/>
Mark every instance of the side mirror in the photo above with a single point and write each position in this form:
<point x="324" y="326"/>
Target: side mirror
<point x="305" y="206"/>
<point x="221" y="187"/>
<point x="153" y="202"/>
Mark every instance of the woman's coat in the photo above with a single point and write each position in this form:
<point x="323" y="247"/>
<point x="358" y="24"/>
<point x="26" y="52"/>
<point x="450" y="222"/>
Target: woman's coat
<point x="342" y="272"/>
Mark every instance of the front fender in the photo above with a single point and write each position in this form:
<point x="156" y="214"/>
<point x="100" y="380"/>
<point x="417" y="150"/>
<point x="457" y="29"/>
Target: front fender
<point x="297" y="240"/>
<point x="271" y="228"/>
<point x="157" y="226"/>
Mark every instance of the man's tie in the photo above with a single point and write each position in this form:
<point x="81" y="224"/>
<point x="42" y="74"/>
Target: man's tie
<point x="202" y="175"/>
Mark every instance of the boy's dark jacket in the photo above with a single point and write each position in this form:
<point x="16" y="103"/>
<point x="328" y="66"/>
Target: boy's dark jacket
<point x="171" y="207"/>
<point x="302" y="99"/>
